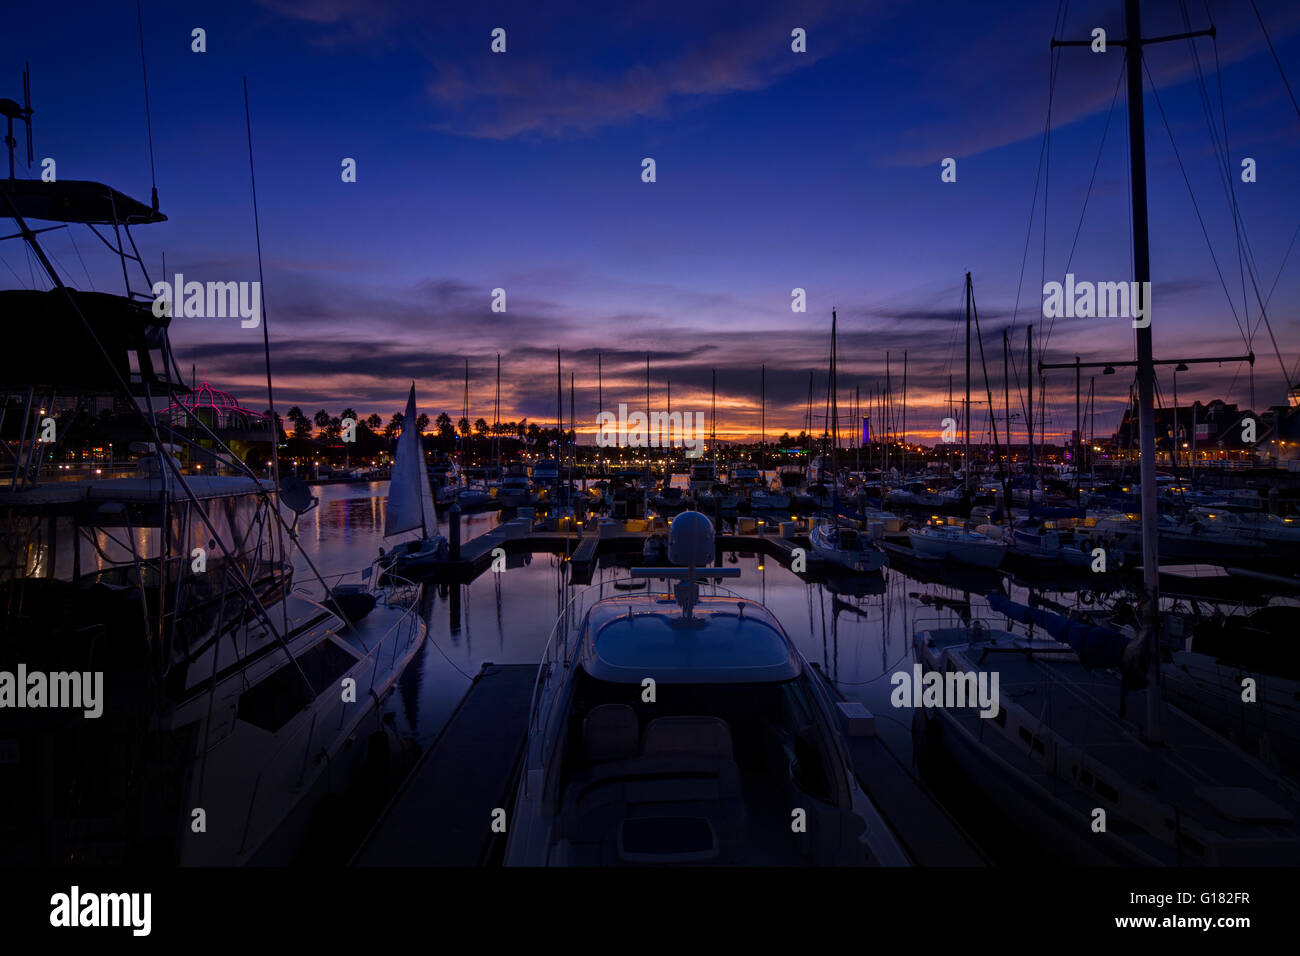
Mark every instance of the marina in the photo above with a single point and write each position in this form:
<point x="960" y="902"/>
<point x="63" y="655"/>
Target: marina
<point x="645" y="451"/>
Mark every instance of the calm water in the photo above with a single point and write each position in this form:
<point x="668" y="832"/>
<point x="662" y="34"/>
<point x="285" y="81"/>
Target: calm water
<point x="858" y="639"/>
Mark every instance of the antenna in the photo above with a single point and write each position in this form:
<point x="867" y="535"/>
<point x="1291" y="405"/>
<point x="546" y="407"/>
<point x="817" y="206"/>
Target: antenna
<point x="13" y="111"/>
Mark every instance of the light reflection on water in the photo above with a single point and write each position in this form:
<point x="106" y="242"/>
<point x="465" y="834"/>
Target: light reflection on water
<point x="858" y="639"/>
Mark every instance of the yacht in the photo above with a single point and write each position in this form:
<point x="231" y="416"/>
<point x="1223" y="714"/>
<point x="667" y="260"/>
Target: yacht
<point x="231" y="694"/>
<point x="957" y="544"/>
<point x="847" y="547"/>
<point x="515" y="490"/>
<point x="686" y="728"/>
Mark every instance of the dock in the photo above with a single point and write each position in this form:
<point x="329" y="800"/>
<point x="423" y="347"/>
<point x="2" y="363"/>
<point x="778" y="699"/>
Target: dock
<point x="928" y="832"/>
<point x="441" y="815"/>
<point x="585" y="547"/>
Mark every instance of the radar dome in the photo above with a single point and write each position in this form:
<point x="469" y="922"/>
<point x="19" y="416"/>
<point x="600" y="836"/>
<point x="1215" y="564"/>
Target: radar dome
<point x="690" y="540"/>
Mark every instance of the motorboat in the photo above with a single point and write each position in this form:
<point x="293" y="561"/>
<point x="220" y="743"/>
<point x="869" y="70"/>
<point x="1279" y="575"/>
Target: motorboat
<point x="847" y="547"/>
<point x="515" y="490"/>
<point x="957" y="544"/>
<point x="686" y="728"/>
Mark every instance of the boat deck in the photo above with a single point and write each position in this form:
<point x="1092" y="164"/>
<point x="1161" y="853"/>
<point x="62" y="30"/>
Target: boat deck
<point x="441" y="815"/>
<point x="1196" y="774"/>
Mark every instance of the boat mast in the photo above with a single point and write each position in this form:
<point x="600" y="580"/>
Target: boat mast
<point x="1029" y="412"/>
<point x="1006" y="405"/>
<point x="496" y="419"/>
<point x="762" y="418"/>
<point x="835" y="410"/>
<point x="559" y="417"/>
<point x="465" y="436"/>
<point x="1078" y="427"/>
<point x="904" y="413"/>
<point x="1146" y="366"/>
<point x="965" y="461"/>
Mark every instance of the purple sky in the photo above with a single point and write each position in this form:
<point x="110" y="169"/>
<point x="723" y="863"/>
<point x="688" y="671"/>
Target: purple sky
<point x="775" y="170"/>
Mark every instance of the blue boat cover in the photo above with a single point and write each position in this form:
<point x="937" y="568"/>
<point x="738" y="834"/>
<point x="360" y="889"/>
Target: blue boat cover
<point x="1096" y="646"/>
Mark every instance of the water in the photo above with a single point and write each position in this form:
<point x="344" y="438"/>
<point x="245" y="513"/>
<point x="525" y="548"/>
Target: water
<point x="858" y="639"/>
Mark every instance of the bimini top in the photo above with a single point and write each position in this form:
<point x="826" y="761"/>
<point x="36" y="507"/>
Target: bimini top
<point x="76" y="200"/>
<point x="728" y="641"/>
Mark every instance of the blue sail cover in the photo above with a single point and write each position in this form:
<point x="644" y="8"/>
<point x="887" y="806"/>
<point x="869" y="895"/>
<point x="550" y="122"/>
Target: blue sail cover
<point x="1096" y="646"/>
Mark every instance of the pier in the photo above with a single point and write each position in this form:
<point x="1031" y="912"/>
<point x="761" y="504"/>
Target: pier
<point x="584" y="547"/>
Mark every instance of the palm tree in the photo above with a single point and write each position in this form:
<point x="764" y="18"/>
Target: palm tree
<point x="481" y="427"/>
<point x="445" y="431"/>
<point x="394" y="425"/>
<point x="374" y="422"/>
<point x="349" y="413"/>
<point x="422" y="423"/>
<point x="322" y="419"/>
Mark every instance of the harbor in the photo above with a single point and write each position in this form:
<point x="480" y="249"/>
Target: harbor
<point x="641" y="448"/>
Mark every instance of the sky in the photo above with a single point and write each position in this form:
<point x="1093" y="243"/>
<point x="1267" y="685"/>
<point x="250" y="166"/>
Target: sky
<point x="774" y="170"/>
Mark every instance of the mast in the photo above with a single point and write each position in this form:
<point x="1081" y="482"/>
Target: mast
<point x="496" y="419"/>
<point x="889" y="386"/>
<point x="1006" y="405"/>
<point x="762" y="418"/>
<point x="905" y="413"/>
<point x="465" y="437"/>
<point x="965" y="461"/>
<point x="559" y="414"/>
<point x="1078" y="427"/>
<point x="835" y="411"/>
<point x="1029" y="412"/>
<point x="1146" y="367"/>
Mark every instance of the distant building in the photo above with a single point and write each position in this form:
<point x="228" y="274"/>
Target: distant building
<point x="1213" y="430"/>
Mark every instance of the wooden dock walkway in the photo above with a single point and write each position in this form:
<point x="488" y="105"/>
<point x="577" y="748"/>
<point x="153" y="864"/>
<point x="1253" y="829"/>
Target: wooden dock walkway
<point x="928" y="833"/>
<point x="442" y="814"/>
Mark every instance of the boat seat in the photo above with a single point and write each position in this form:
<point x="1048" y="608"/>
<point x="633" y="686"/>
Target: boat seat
<point x="702" y="736"/>
<point x="684" y="786"/>
<point x="611" y="732"/>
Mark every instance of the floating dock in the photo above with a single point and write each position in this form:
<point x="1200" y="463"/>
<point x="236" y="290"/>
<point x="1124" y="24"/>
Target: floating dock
<point x="584" y="549"/>
<point x="442" y="814"/>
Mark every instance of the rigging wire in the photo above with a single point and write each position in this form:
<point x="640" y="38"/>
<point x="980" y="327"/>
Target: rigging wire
<point x="148" y="119"/>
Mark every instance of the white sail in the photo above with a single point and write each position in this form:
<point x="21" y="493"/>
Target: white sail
<point x="410" y="501"/>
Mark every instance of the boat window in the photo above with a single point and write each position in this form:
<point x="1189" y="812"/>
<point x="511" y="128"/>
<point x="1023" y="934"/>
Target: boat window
<point x="273" y="701"/>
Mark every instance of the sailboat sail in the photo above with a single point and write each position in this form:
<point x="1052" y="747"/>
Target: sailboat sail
<point x="410" y="500"/>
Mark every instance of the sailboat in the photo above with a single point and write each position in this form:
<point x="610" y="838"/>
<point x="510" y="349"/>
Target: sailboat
<point x="1091" y="784"/>
<point x="411" y="508"/>
<point x="833" y="539"/>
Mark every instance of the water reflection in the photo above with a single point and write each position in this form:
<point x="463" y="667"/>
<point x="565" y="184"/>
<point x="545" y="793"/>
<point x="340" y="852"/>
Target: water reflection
<point x="857" y="628"/>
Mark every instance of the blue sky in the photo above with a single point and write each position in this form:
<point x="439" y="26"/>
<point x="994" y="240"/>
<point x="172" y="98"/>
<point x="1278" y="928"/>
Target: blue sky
<point x="775" y="170"/>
